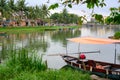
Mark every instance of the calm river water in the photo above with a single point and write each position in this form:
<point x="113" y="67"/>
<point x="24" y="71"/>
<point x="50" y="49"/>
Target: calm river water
<point x="54" y="42"/>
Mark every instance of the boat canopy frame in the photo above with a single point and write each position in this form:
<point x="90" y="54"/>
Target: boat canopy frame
<point x="93" y="40"/>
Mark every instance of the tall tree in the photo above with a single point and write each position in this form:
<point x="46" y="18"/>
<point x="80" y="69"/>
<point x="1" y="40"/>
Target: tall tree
<point x="12" y="8"/>
<point x="45" y="11"/>
<point x="3" y="8"/>
<point x="21" y="8"/>
<point x="64" y="15"/>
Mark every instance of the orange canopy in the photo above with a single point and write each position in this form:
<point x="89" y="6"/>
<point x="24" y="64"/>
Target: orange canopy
<point x="91" y="40"/>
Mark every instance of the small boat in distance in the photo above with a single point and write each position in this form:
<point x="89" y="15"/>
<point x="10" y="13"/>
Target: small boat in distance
<point x="104" y="69"/>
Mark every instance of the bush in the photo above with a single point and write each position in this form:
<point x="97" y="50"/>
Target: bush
<point x="117" y="35"/>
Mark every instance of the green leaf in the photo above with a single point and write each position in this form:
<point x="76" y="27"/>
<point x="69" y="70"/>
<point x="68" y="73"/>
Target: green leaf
<point x="69" y="5"/>
<point x="73" y="0"/>
<point x="77" y="1"/>
<point x="53" y="6"/>
<point x="102" y="4"/>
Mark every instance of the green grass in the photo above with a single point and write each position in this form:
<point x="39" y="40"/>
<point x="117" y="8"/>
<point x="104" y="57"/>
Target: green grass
<point x="23" y="64"/>
<point x="52" y="75"/>
<point x="117" y="35"/>
<point x="33" y="29"/>
<point x="8" y="74"/>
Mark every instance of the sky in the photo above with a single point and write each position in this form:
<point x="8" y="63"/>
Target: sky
<point x="77" y="9"/>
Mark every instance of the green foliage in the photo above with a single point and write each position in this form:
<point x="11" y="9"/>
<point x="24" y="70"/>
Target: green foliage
<point x="19" y="61"/>
<point x="17" y="10"/>
<point x="99" y="18"/>
<point x="114" y="17"/>
<point x="44" y="75"/>
<point x="80" y="21"/>
<point x="23" y="65"/>
<point x="108" y="20"/>
<point x="26" y="60"/>
<point x="117" y="35"/>
<point x="65" y="17"/>
<point x="90" y="3"/>
<point x="53" y="6"/>
<point x="69" y="5"/>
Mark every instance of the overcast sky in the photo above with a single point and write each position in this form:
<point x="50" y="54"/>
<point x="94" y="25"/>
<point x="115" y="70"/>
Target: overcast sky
<point x="77" y="9"/>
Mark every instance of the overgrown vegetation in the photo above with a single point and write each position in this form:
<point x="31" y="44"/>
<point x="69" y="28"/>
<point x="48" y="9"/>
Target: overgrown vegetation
<point x="23" y="64"/>
<point x="19" y="61"/>
<point x="117" y="35"/>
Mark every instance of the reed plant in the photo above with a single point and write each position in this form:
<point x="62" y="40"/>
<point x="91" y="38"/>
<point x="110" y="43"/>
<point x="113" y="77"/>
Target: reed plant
<point x="24" y="64"/>
<point x="21" y="60"/>
<point x="27" y="60"/>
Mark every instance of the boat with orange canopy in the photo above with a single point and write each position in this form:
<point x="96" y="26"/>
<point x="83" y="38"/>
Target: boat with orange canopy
<point x="110" y="70"/>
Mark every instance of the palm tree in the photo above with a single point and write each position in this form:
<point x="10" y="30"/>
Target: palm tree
<point x="38" y="12"/>
<point x="12" y="8"/>
<point x="21" y="8"/>
<point x="3" y="8"/>
<point x="45" y="11"/>
<point x="31" y="13"/>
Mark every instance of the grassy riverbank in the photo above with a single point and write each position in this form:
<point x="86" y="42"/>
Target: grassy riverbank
<point x="24" y="65"/>
<point x="36" y="28"/>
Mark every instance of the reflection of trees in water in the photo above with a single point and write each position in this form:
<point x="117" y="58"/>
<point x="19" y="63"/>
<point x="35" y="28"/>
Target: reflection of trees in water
<point x="115" y="29"/>
<point x="62" y="35"/>
<point x="32" y="41"/>
<point x="37" y="42"/>
<point x="102" y="30"/>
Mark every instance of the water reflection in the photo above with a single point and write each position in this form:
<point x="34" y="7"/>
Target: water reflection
<point x="33" y="41"/>
<point x="100" y="31"/>
<point x="52" y="42"/>
<point x="62" y="35"/>
<point x="37" y="41"/>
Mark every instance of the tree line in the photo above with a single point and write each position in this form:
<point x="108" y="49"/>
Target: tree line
<point x="11" y="10"/>
<point x="66" y="18"/>
<point x="19" y="10"/>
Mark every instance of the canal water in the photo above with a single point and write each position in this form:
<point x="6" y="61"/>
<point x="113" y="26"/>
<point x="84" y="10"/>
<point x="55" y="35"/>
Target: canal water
<point x="53" y="42"/>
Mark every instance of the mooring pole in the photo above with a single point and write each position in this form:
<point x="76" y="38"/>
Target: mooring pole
<point x="78" y="47"/>
<point x="115" y="55"/>
<point x="66" y="49"/>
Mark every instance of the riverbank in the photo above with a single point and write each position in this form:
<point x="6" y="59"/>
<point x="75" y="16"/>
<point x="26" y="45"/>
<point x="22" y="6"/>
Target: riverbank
<point x="33" y="29"/>
<point x="24" y="64"/>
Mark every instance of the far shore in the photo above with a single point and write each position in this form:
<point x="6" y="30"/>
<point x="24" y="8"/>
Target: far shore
<point x="36" y="28"/>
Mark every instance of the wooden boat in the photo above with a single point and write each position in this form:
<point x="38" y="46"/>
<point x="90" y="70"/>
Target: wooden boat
<point x="107" y="69"/>
<point x="110" y="70"/>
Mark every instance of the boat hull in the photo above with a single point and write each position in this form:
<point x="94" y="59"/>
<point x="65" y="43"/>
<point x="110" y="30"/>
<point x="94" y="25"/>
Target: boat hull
<point x="108" y="72"/>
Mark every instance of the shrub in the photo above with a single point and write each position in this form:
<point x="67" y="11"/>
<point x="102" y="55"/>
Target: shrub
<point x="117" y="35"/>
